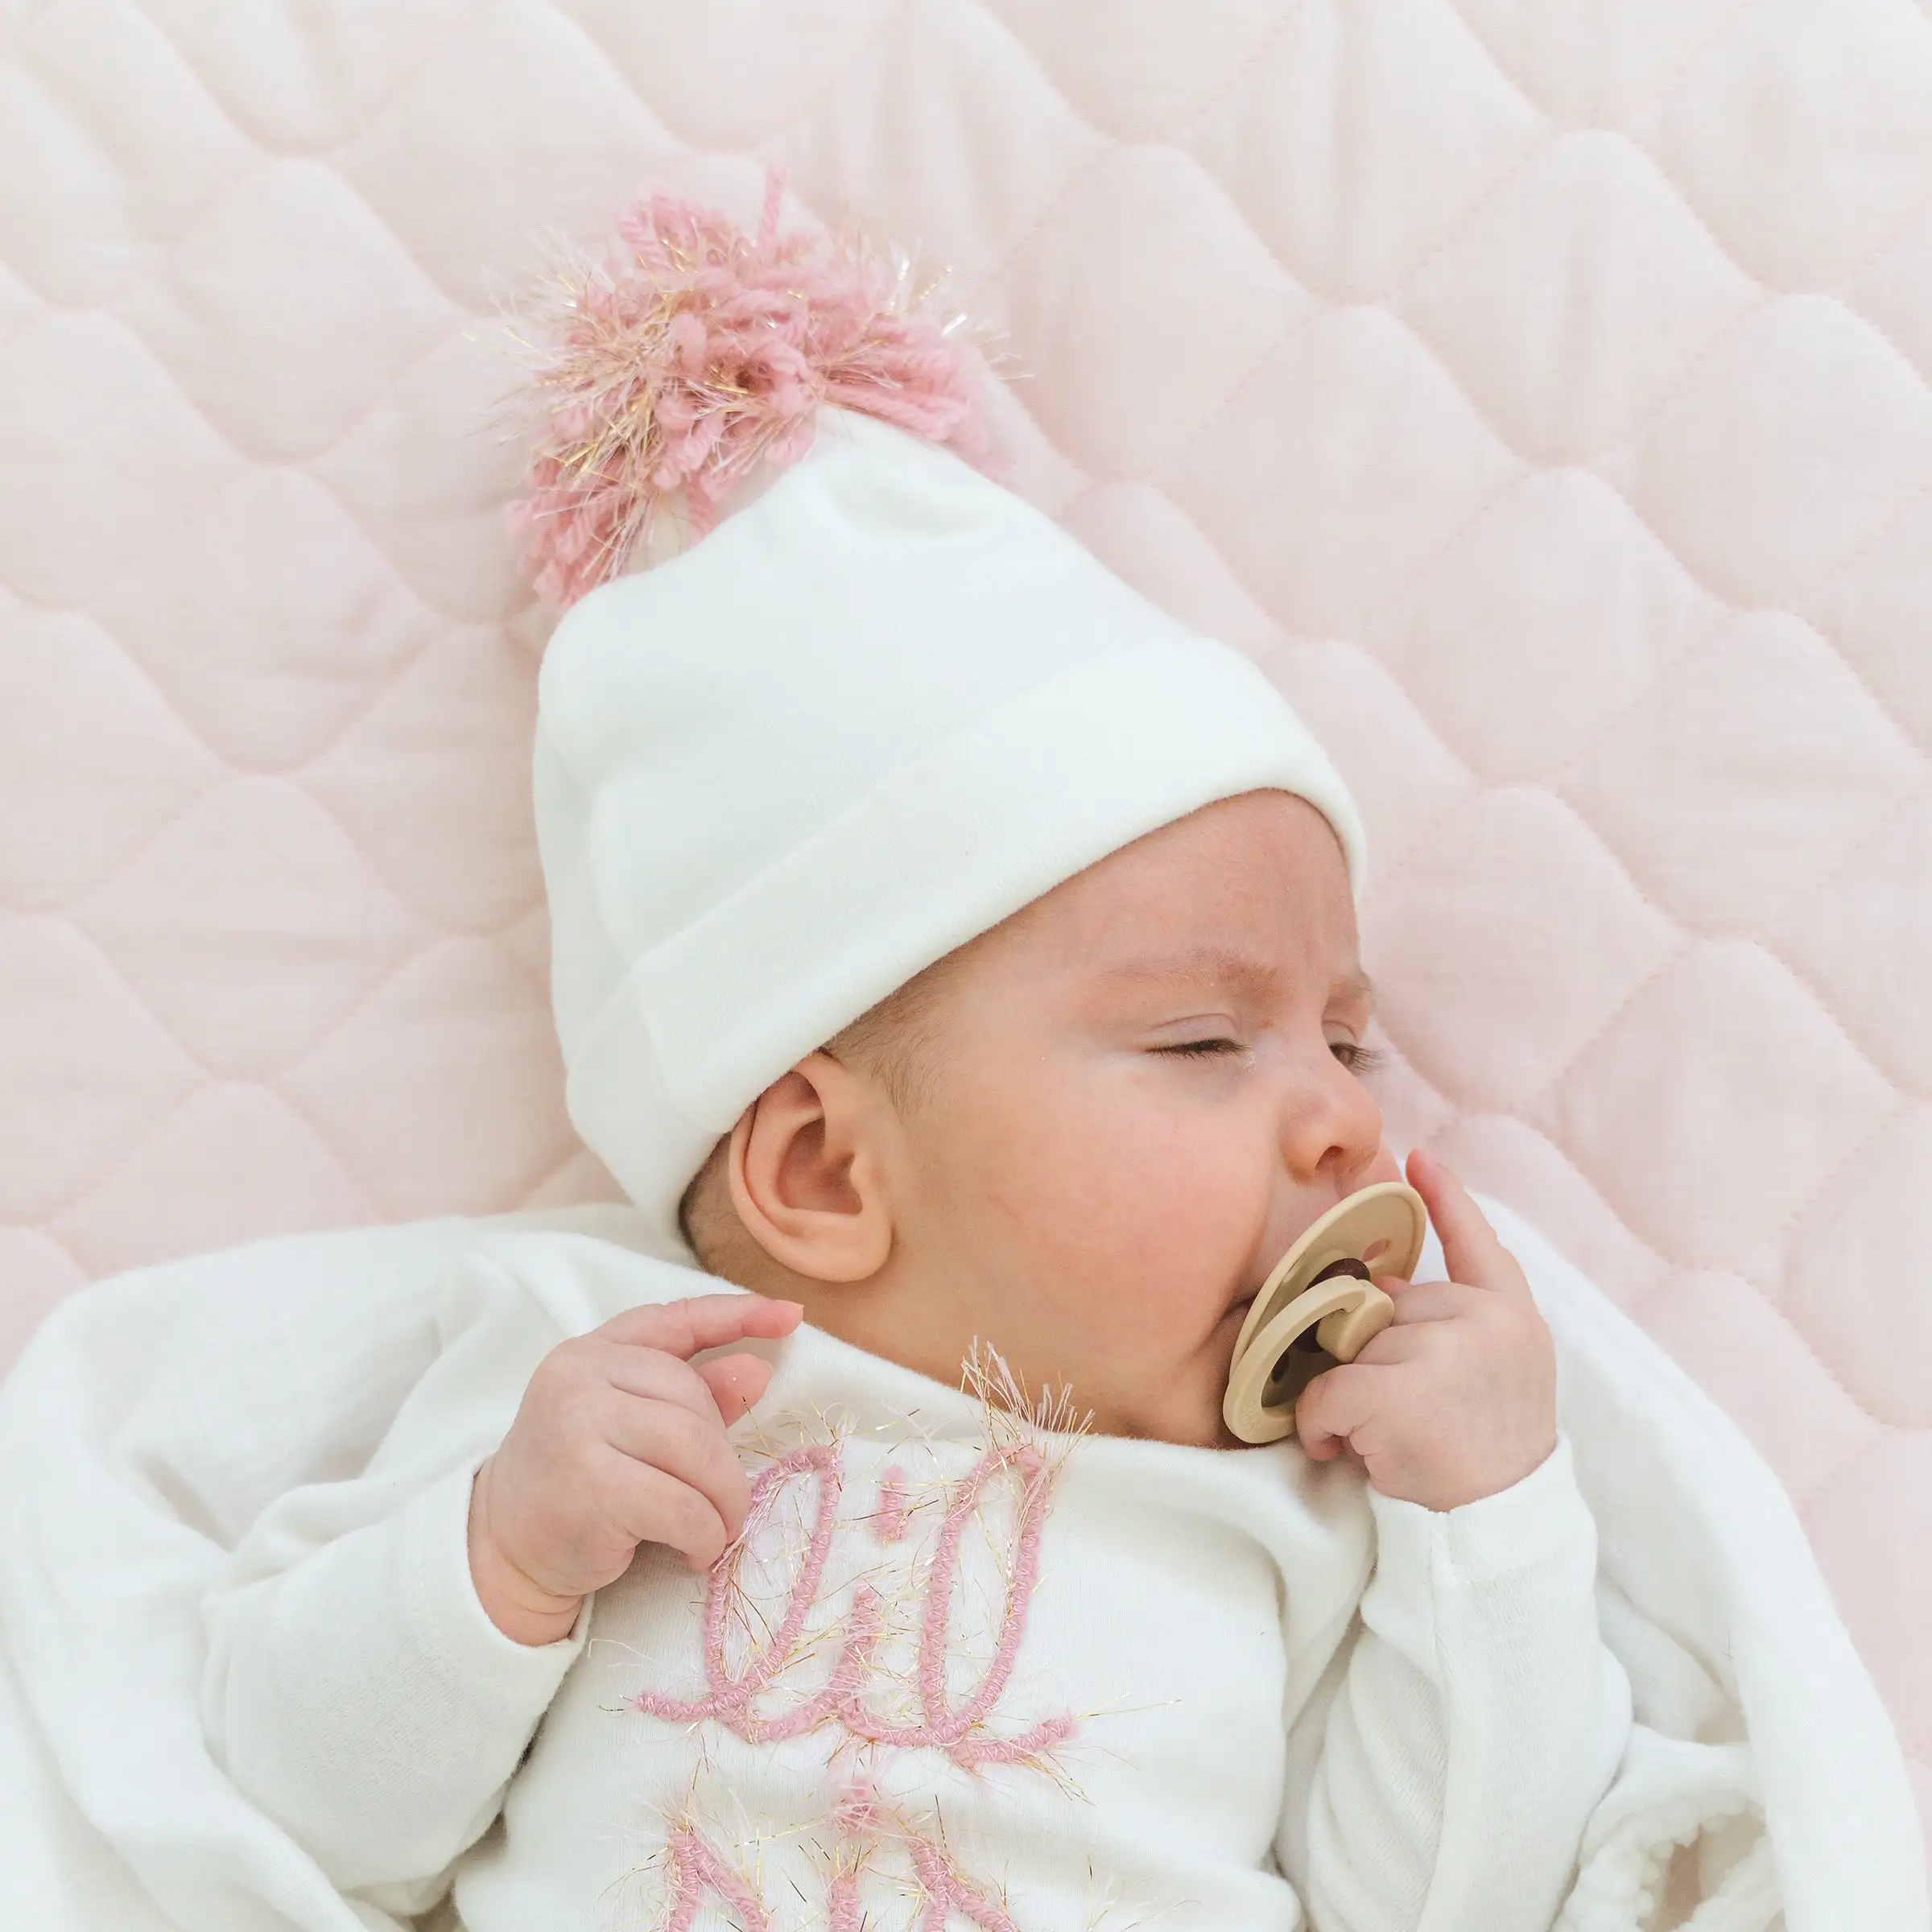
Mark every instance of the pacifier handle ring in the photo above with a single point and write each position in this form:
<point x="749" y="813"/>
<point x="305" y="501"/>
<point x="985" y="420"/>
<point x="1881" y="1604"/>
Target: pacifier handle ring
<point x="1322" y="1289"/>
<point x="1382" y="1226"/>
<point x="1352" y="1310"/>
<point x="1348" y="1331"/>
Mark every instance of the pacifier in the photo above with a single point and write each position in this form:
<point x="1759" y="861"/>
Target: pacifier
<point x="1319" y="1306"/>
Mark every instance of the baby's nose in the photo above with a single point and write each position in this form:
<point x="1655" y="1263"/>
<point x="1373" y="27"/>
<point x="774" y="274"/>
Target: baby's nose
<point x="1332" y="1132"/>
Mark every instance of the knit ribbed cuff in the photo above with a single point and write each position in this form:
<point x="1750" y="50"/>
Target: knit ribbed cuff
<point x="450" y="1629"/>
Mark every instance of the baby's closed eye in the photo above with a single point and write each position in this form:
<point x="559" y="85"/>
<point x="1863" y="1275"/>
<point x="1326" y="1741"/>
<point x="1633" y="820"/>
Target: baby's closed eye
<point x="1353" y="1054"/>
<point x="1201" y="1049"/>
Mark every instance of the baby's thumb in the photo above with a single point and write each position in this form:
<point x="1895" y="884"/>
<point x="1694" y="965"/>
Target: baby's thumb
<point x="735" y="1382"/>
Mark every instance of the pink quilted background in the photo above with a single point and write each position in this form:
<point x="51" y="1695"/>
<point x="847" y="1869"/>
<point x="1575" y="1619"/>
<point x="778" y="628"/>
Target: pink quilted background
<point x="1542" y="392"/>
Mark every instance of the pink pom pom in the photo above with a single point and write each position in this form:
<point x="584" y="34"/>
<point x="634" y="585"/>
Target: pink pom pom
<point x="698" y="352"/>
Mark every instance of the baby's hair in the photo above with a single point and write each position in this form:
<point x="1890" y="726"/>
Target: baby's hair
<point x="708" y="1221"/>
<point x="897" y="1042"/>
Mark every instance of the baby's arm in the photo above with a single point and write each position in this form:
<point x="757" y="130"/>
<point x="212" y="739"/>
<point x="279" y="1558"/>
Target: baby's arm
<point x="1479" y="1721"/>
<point x="359" y="1689"/>
<point x="1479" y="1718"/>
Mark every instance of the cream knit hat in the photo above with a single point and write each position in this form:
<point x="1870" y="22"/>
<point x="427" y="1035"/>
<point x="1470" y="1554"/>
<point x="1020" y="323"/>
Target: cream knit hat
<point x="878" y="710"/>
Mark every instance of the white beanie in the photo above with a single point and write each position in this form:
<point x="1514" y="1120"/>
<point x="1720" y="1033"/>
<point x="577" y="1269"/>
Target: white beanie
<point x="875" y="712"/>
<point x="881" y="708"/>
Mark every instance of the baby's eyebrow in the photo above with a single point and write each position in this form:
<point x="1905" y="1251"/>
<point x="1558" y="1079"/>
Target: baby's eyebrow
<point x="1226" y="965"/>
<point x="1358" y="985"/>
<point x="1197" y="963"/>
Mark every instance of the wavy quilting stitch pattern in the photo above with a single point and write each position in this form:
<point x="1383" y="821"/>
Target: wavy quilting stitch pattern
<point x="264" y="719"/>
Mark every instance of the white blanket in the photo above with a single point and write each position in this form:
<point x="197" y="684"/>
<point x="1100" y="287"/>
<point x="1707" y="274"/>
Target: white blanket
<point x="155" y="1416"/>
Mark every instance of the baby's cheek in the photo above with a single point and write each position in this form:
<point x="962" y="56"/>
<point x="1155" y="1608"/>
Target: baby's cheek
<point x="1137" y="1214"/>
<point x="1168" y="1247"/>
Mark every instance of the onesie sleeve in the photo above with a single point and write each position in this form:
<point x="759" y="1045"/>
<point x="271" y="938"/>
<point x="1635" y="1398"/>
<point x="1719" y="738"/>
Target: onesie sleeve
<point x="1474" y="1723"/>
<point x="355" y="1689"/>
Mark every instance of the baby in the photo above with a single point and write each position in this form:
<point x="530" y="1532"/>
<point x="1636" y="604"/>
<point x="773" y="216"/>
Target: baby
<point x="957" y="955"/>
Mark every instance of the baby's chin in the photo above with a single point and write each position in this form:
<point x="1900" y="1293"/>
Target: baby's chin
<point x="1201" y="1427"/>
<point x="1185" y="1409"/>
<point x="1170" y="1395"/>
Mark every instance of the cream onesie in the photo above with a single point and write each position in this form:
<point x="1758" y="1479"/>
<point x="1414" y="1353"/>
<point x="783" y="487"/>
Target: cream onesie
<point x="961" y="1670"/>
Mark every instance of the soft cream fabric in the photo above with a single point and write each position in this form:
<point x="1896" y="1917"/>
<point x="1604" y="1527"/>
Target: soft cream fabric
<point x="172" y="1420"/>
<point x="1182" y="1608"/>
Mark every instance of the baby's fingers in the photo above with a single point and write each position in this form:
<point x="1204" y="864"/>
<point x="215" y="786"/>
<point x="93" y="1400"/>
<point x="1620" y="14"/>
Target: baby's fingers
<point x="1429" y="1301"/>
<point x="654" y="1507"/>
<point x="1329" y="1412"/>
<point x="1470" y="1246"/>
<point x="705" y="1321"/>
<point x="689" y="1450"/>
<point x="735" y="1382"/>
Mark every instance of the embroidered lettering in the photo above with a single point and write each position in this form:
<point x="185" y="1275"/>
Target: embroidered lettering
<point x="695" y="1869"/>
<point x="961" y="1730"/>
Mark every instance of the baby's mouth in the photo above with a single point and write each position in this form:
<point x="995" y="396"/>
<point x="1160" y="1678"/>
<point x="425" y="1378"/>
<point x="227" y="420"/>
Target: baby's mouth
<point x="1239" y="1308"/>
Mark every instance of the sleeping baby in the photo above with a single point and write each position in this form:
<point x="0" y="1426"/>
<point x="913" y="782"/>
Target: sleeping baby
<point x="955" y="963"/>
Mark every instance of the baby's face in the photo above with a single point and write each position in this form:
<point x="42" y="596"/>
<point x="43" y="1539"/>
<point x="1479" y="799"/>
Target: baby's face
<point x="1146" y="1084"/>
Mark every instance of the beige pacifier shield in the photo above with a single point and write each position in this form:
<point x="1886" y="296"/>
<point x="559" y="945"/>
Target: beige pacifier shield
<point x="1382" y="1228"/>
<point x="1292" y="1351"/>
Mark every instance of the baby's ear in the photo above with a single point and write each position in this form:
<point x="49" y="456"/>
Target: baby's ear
<point x="808" y="1172"/>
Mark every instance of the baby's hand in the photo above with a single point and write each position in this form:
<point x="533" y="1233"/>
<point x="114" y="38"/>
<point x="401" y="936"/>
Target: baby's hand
<point x="1455" y="1400"/>
<point x="619" y="1441"/>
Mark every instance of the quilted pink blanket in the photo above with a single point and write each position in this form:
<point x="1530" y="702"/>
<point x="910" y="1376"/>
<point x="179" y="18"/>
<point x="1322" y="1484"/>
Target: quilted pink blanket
<point x="1544" y="395"/>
